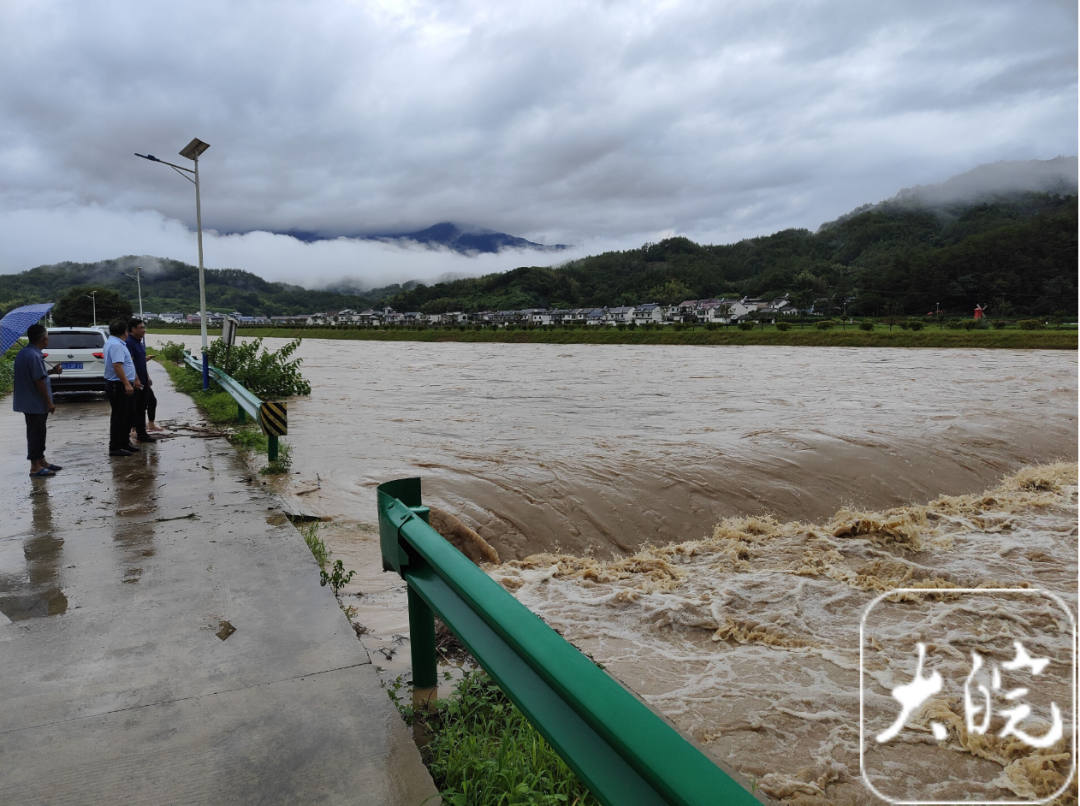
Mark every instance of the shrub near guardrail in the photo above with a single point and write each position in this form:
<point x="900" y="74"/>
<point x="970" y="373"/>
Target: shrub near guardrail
<point x="270" y="375"/>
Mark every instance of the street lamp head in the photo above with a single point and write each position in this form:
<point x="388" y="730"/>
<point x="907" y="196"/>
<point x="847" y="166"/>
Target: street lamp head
<point x="150" y="157"/>
<point x="194" y="149"/>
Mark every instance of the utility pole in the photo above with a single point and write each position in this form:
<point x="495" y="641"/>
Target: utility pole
<point x="93" y="299"/>
<point x="138" y="279"/>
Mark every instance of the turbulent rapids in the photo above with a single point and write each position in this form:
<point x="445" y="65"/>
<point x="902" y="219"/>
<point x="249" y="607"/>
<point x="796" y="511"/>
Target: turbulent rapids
<point x="749" y="639"/>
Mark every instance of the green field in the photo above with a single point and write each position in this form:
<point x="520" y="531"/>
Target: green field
<point x="1064" y="339"/>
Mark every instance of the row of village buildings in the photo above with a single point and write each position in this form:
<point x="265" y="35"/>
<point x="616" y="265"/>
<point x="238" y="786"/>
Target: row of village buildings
<point x="718" y="311"/>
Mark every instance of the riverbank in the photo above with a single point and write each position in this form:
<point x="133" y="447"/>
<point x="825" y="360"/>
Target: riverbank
<point x="810" y="337"/>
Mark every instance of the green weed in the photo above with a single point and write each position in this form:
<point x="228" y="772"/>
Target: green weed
<point x="484" y="752"/>
<point x="282" y="464"/>
<point x="337" y="578"/>
<point x="319" y="551"/>
<point x="248" y="438"/>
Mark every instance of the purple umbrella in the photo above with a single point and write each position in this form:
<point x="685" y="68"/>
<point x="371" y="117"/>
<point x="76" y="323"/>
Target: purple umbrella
<point x="14" y="325"/>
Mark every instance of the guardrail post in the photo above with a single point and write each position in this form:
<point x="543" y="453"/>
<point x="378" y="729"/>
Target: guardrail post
<point x="422" y="630"/>
<point x="272" y="448"/>
<point x="422" y="642"/>
<point x="241" y="415"/>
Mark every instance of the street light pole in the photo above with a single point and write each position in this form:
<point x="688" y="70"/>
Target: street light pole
<point x="192" y="151"/>
<point x="138" y="279"/>
<point x="202" y="281"/>
<point x="93" y="299"/>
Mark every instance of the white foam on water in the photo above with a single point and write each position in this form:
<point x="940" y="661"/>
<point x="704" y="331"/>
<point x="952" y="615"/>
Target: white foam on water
<point x="749" y="639"/>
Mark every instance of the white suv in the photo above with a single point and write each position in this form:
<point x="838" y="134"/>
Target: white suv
<point x="80" y="351"/>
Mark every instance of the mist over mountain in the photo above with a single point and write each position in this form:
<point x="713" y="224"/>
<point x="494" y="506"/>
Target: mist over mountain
<point x="465" y="240"/>
<point x="1003" y="181"/>
<point x="468" y="240"/>
<point x="996" y="180"/>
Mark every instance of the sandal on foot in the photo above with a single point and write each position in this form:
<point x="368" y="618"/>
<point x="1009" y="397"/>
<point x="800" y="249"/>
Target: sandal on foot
<point x="55" y="468"/>
<point x="44" y="472"/>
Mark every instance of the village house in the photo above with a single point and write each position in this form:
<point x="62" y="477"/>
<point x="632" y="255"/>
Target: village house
<point x="576" y="316"/>
<point x="622" y="314"/>
<point x="535" y="316"/>
<point x="648" y="313"/>
<point x="777" y="309"/>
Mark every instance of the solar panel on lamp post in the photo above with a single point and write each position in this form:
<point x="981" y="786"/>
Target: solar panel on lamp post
<point x="192" y="151"/>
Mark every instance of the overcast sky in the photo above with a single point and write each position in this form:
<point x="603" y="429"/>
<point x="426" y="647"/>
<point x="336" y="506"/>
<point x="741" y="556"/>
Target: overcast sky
<point x="597" y="124"/>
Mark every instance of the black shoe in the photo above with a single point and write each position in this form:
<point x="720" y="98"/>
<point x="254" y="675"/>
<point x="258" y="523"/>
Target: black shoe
<point x="132" y="448"/>
<point x="146" y="438"/>
<point x="120" y="452"/>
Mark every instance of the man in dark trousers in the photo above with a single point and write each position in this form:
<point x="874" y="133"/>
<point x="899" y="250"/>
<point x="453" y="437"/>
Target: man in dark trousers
<point x="137" y="348"/>
<point x="32" y="395"/>
<point x="121" y="383"/>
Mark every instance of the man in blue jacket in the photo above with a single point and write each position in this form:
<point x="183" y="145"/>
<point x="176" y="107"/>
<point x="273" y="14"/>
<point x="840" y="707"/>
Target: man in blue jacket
<point x="32" y="395"/>
<point x="137" y="347"/>
<point x="121" y="384"/>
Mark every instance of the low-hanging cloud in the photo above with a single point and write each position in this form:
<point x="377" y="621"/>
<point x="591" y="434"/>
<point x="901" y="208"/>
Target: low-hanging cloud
<point x="588" y="123"/>
<point x="98" y="232"/>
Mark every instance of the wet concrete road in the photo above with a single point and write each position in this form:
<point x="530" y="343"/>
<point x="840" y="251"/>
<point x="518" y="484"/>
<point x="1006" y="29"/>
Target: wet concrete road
<point x="164" y="638"/>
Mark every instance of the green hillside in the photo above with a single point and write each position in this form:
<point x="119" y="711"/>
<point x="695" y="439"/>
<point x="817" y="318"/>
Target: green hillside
<point x="170" y="285"/>
<point x="1017" y="254"/>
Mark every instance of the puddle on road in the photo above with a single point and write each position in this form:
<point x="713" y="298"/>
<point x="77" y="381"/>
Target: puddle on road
<point x="36" y="592"/>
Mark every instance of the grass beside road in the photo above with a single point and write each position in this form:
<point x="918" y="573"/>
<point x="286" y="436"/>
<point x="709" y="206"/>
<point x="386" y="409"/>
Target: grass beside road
<point x="482" y="751"/>
<point x="216" y="406"/>
<point x="881" y="336"/>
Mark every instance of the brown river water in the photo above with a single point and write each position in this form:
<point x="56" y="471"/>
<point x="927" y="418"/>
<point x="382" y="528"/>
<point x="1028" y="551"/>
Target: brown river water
<point x="711" y="523"/>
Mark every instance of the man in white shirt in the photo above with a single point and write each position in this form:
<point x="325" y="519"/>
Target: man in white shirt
<point x="121" y="383"/>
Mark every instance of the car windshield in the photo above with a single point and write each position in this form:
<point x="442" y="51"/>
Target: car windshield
<point x="88" y="340"/>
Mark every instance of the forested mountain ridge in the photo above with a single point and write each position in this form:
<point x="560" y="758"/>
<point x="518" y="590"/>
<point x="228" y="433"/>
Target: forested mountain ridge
<point x="171" y="285"/>
<point x="1018" y="255"/>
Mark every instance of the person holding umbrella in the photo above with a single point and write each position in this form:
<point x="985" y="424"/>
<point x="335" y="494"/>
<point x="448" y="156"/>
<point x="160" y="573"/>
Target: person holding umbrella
<point x="32" y="395"/>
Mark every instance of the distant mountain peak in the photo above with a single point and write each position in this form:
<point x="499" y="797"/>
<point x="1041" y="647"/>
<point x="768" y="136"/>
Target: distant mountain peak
<point x="466" y="240"/>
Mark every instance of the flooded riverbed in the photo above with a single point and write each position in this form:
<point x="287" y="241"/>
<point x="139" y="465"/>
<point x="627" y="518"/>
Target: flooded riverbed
<point x="568" y="460"/>
<point x="615" y="446"/>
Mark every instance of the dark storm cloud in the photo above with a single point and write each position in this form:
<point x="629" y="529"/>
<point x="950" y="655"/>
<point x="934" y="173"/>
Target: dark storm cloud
<point x="590" y="123"/>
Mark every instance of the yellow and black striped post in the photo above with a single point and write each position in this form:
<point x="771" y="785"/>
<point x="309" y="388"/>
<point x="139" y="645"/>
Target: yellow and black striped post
<point x="274" y="422"/>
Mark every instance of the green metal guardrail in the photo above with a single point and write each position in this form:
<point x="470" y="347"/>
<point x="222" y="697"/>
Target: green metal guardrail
<point x="247" y="405"/>
<point x="625" y="753"/>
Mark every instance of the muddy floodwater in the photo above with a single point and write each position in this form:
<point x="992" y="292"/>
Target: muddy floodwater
<point x="712" y="524"/>
<point x="610" y="447"/>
